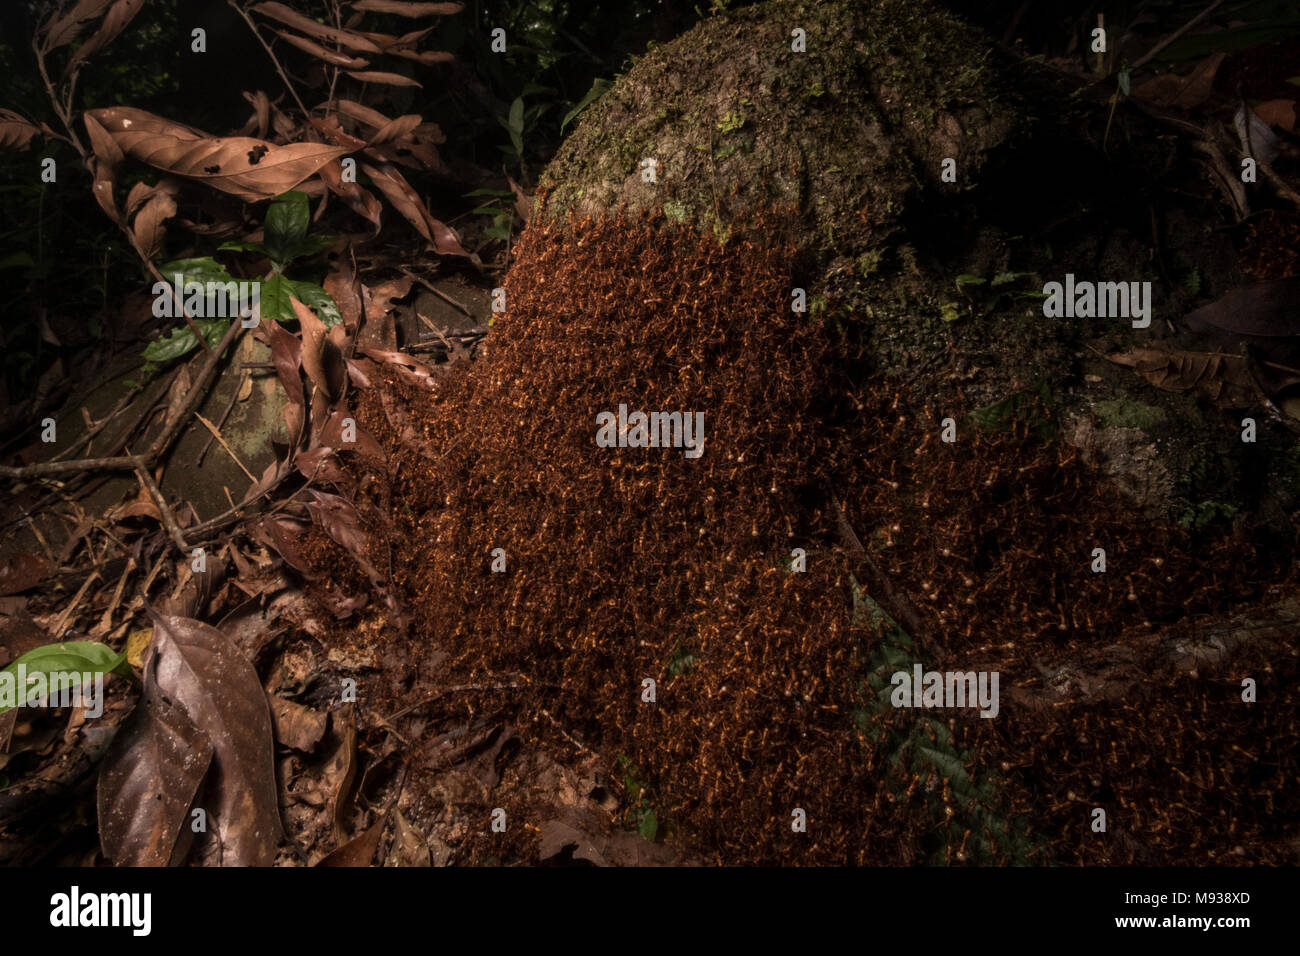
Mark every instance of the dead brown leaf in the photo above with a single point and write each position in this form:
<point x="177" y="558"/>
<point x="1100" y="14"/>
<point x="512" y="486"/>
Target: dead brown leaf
<point x="1225" y="379"/>
<point x="399" y="192"/>
<point x="412" y="10"/>
<point x="345" y="38"/>
<point x="323" y="53"/>
<point x="15" y="132"/>
<point x="251" y="169"/>
<point x="383" y="78"/>
<point x="119" y="16"/>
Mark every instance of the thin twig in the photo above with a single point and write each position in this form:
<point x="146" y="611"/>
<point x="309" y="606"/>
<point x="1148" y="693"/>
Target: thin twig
<point x="229" y="451"/>
<point x="169" y="520"/>
<point x="899" y="606"/>
<point x="274" y="60"/>
<point x="221" y="421"/>
<point x="436" y="291"/>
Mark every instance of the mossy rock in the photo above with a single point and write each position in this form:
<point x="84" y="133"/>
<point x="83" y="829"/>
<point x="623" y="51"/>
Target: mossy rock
<point x="736" y="121"/>
<point x="846" y="141"/>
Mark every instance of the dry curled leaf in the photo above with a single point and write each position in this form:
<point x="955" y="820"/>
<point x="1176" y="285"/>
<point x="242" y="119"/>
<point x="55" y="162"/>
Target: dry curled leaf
<point x="119" y="16"/>
<point x="346" y="38"/>
<point x="251" y="169"/>
<point x="61" y="30"/>
<point x="1225" y="379"/>
<point x="399" y="192"/>
<point x="333" y="57"/>
<point x="383" y="78"/>
<point x="15" y="132"/>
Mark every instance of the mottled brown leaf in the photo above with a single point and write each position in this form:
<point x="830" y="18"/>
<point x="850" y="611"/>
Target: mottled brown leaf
<point x="149" y="779"/>
<point x="297" y="727"/>
<point x="251" y="169"/>
<point x="200" y="670"/>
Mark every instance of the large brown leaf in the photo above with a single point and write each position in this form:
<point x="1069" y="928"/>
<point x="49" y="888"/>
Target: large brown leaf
<point x="149" y="779"/>
<point x="22" y="571"/>
<point x="1266" y="309"/>
<point x="251" y="169"/>
<point x="201" y="670"/>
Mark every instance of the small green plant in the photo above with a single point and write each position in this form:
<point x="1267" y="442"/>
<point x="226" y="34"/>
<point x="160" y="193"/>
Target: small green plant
<point x="519" y="122"/>
<point x="642" y="813"/>
<point x="598" y="88"/>
<point x="987" y="295"/>
<point x="498" y="208"/>
<point x="285" y="240"/>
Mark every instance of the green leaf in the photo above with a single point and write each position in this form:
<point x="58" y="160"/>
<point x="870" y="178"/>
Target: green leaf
<point x="486" y="211"/>
<point x="598" y="88"/>
<point x="317" y="299"/>
<point x="498" y="193"/>
<point x="203" y="269"/>
<point x="967" y="279"/>
<point x="1124" y="81"/>
<point x="286" y="224"/>
<point x="649" y="825"/>
<point x="276" y="305"/>
<point x="76" y="657"/>
<point x="498" y="232"/>
<point x="181" y="340"/>
<point x="275" y="299"/>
